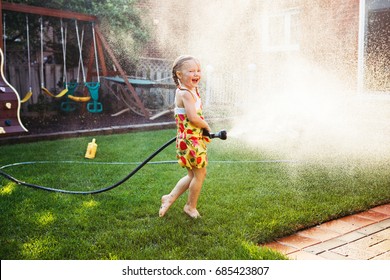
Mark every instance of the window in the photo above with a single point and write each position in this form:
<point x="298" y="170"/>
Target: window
<point x="281" y="31"/>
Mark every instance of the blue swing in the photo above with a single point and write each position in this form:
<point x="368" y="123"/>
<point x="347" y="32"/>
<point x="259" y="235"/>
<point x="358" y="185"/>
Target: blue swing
<point x="68" y="105"/>
<point x="93" y="87"/>
<point x="95" y="106"/>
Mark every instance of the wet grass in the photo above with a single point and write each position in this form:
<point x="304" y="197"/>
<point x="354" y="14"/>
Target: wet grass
<point x="242" y="203"/>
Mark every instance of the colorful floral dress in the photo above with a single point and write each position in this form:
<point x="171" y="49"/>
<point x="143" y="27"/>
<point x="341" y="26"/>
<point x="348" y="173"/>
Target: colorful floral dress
<point x="191" y="150"/>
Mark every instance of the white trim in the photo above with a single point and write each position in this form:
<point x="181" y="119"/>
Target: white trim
<point x="286" y="44"/>
<point x="361" y="46"/>
<point x="180" y="111"/>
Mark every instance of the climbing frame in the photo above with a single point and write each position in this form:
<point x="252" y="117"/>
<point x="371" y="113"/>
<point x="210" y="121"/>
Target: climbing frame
<point x="10" y="123"/>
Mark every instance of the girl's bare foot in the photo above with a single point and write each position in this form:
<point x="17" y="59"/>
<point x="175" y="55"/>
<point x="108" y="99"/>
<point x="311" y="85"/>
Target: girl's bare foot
<point x="192" y="212"/>
<point x="165" y="204"/>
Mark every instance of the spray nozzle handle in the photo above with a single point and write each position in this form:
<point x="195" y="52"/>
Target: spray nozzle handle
<point x="221" y="134"/>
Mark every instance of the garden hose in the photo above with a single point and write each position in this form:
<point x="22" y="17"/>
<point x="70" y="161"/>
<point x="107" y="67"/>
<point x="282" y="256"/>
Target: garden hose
<point x="13" y="179"/>
<point x="221" y="135"/>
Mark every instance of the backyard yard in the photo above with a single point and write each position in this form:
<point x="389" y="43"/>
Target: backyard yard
<point x="302" y="147"/>
<point x="249" y="197"/>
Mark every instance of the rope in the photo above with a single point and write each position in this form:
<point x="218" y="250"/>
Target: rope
<point x="4" y="42"/>
<point x="41" y="28"/>
<point x="29" y="93"/>
<point x="80" y="65"/>
<point x="28" y="51"/>
<point x="80" y="45"/>
<point x="96" y="56"/>
<point x="63" y="43"/>
<point x="45" y="90"/>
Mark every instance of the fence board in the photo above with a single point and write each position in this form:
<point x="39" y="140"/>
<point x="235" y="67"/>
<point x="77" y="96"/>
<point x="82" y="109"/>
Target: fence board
<point x="52" y="72"/>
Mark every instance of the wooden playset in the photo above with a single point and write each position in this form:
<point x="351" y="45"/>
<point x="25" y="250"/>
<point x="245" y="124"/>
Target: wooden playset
<point x="10" y="100"/>
<point x="10" y="122"/>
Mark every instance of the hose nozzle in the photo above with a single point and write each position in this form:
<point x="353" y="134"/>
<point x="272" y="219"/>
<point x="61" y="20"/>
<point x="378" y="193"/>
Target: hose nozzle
<point x="221" y="134"/>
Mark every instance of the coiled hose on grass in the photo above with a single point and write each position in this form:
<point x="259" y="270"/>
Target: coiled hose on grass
<point x="221" y="134"/>
<point x="13" y="179"/>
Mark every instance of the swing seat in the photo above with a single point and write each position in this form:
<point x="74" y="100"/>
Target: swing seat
<point x="61" y="94"/>
<point x="79" y="98"/>
<point x="72" y="87"/>
<point x="26" y="97"/>
<point x="45" y="90"/>
<point x="93" y="88"/>
<point x="94" y="106"/>
<point x="67" y="105"/>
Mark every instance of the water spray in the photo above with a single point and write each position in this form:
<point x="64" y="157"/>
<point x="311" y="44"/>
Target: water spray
<point x="221" y="134"/>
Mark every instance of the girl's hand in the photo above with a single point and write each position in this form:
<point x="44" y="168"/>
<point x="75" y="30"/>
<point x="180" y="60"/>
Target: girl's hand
<point x="206" y="132"/>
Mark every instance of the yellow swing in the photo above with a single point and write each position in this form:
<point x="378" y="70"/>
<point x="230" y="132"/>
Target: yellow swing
<point x="29" y="93"/>
<point x="45" y="90"/>
<point x="81" y="64"/>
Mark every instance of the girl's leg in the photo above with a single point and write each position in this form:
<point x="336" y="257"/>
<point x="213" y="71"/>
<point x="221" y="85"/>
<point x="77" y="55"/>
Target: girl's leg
<point x="181" y="186"/>
<point x="194" y="191"/>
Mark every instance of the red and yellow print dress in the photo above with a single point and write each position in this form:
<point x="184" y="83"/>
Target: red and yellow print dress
<point x="191" y="150"/>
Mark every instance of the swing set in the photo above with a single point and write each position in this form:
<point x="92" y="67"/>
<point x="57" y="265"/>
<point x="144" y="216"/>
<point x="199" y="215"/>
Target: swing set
<point x="98" y="46"/>
<point x="70" y="87"/>
<point x="93" y="87"/>
<point x="96" y="67"/>
<point x="43" y="88"/>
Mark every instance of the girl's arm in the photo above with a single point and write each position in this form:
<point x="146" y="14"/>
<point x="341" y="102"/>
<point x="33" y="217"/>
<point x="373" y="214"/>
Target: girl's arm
<point x="189" y="105"/>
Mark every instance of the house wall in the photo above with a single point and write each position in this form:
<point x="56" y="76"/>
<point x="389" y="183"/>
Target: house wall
<point x="375" y="60"/>
<point x="327" y="38"/>
<point x="327" y="35"/>
<point x="332" y="36"/>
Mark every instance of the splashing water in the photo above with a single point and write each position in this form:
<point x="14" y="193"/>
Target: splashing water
<point x="299" y="102"/>
<point x="314" y="118"/>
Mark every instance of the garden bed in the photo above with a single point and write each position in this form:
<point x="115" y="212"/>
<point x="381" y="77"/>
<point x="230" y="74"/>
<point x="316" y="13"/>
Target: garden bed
<point x="51" y="126"/>
<point x="83" y="121"/>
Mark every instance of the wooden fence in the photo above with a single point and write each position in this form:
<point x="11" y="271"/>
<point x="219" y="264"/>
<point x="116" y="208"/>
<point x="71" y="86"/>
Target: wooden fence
<point x="221" y="89"/>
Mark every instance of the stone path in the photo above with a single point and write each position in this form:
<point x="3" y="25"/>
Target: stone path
<point x="363" y="236"/>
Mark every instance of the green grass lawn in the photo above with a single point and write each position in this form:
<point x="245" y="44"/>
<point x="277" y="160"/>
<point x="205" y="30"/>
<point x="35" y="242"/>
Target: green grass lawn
<point x="242" y="204"/>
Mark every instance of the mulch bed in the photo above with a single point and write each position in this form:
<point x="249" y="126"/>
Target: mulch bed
<point x="62" y="122"/>
<point x="56" y="125"/>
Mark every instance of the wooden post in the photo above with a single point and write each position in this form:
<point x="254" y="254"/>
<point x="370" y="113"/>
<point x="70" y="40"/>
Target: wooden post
<point x="91" y="62"/>
<point x="101" y="57"/>
<point x="120" y="70"/>
<point x="21" y="8"/>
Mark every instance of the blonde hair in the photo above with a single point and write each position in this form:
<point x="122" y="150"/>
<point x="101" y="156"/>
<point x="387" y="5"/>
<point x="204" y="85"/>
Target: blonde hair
<point x="178" y="63"/>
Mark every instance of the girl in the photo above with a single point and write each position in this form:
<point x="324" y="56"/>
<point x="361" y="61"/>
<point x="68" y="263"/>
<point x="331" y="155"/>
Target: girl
<point x="191" y="148"/>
